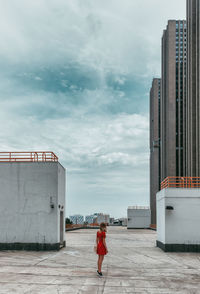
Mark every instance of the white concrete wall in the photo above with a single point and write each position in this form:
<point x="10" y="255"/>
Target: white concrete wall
<point x="138" y="218"/>
<point x="61" y="197"/>
<point x="25" y="193"/>
<point x="160" y="215"/>
<point x="181" y="225"/>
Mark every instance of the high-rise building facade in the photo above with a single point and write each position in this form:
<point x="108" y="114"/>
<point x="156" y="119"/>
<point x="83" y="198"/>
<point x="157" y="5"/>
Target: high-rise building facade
<point x="77" y="219"/>
<point x="173" y="97"/>
<point x="89" y="219"/>
<point x="155" y="94"/>
<point x="193" y="90"/>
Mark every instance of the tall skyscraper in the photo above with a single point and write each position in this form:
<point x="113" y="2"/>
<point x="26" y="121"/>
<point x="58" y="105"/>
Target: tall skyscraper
<point x="168" y="111"/>
<point x="173" y="97"/>
<point x="154" y="145"/>
<point x="193" y="90"/>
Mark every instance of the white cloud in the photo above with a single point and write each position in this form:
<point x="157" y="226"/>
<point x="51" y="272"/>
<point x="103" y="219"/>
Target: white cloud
<point x="105" y="35"/>
<point x="74" y="79"/>
<point x="86" y="142"/>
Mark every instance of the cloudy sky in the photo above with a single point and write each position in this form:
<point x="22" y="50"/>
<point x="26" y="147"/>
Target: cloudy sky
<point x="75" y="78"/>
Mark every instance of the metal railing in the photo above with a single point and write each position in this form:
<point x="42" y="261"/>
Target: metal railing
<point x="181" y="182"/>
<point x="33" y="156"/>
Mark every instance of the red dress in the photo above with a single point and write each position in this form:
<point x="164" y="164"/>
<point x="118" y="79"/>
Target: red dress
<point x="101" y="250"/>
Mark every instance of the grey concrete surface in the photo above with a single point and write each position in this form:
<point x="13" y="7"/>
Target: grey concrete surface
<point x="133" y="265"/>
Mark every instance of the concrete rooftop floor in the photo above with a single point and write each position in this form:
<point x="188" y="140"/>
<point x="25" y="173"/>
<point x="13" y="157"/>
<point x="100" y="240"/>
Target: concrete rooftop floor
<point x="133" y="265"/>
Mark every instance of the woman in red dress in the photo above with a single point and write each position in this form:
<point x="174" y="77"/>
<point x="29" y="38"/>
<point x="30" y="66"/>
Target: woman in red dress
<point x="101" y="246"/>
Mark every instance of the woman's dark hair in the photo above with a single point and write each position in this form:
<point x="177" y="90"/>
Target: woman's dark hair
<point x="102" y="226"/>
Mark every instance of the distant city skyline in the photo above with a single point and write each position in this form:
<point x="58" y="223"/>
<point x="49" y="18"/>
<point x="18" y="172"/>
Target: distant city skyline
<point x="75" y="79"/>
<point x="95" y="218"/>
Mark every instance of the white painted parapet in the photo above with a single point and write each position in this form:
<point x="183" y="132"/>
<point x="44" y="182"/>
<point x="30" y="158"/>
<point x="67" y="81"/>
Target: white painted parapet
<point x="178" y="219"/>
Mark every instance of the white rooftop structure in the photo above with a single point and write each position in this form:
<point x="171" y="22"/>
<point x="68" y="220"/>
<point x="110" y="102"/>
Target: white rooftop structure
<point x="178" y="219"/>
<point x="32" y="194"/>
<point x="139" y="217"/>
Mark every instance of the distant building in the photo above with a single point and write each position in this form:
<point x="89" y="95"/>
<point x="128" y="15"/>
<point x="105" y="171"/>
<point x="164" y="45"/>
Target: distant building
<point x="123" y="221"/>
<point x="112" y="220"/>
<point x="77" y="219"/>
<point x="120" y="222"/>
<point x="89" y="219"/>
<point x="155" y="176"/>
<point x="116" y="222"/>
<point x="193" y="90"/>
<point x="101" y="218"/>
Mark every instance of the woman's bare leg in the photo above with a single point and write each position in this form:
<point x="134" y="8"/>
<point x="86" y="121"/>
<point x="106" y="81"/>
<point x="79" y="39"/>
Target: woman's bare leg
<point x="100" y="261"/>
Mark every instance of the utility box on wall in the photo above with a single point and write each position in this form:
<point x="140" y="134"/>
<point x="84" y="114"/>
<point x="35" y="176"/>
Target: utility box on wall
<point x="178" y="219"/>
<point x="32" y="195"/>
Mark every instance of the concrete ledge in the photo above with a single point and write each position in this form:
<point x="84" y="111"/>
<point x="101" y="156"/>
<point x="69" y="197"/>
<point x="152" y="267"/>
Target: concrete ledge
<point x="31" y="246"/>
<point x="178" y="247"/>
<point x="152" y="229"/>
<point x="142" y="228"/>
<point x="81" y="228"/>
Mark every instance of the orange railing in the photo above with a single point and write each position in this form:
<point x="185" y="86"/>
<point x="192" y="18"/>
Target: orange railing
<point x="181" y="182"/>
<point x="27" y="156"/>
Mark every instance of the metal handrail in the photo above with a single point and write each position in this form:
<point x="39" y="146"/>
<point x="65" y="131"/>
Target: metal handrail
<point x="180" y="182"/>
<point x="28" y="156"/>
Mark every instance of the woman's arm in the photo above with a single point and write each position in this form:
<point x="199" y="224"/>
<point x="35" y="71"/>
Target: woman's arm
<point x="104" y="243"/>
<point x="97" y="240"/>
<point x="96" y="243"/>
